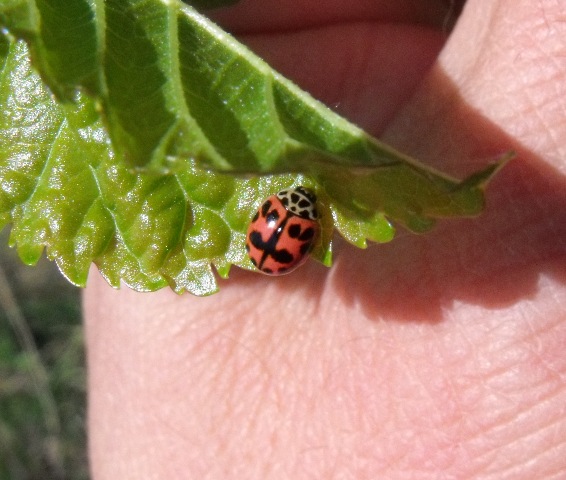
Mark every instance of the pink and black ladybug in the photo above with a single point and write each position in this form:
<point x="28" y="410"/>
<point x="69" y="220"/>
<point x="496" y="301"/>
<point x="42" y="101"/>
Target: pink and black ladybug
<point x="283" y="231"/>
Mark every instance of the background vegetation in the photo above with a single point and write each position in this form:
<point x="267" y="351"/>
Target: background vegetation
<point x="42" y="373"/>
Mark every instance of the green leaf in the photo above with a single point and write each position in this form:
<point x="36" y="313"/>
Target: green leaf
<point x="62" y="187"/>
<point x="156" y="86"/>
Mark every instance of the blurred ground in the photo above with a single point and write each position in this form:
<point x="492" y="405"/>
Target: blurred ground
<point x="42" y="373"/>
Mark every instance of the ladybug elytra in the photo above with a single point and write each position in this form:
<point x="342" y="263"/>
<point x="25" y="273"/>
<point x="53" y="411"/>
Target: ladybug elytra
<point x="283" y="231"/>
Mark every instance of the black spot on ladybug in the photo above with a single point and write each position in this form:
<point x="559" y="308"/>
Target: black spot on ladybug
<point x="282" y="256"/>
<point x="308" y="234"/>
<point x="295" y="198"/>
<point x="256" y="240"/>
<point x="304" y="203"/>
<point x="294" y="231"/>
<point x="266" y="270"/>
<point x="248" y="248"/>
<point x="272" y="216"/>
<point x="256" y="216"/>
<point x="265" y="207"/>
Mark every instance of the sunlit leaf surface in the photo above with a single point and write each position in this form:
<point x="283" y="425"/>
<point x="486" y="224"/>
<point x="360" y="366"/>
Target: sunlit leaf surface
<point x="151" y="137"/>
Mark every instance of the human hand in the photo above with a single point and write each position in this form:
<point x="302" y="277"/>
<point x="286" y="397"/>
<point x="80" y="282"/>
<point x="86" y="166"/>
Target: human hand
<point x="434" y="356"/>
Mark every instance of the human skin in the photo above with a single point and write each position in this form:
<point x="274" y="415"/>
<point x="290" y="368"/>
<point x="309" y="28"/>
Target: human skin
<point x="434" y="356"/>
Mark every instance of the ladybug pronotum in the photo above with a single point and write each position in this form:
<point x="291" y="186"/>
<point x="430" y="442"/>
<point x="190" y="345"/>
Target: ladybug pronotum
<point x="283" y="231"/>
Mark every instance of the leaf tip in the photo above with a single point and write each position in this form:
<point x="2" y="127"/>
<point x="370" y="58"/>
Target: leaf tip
<point x="481" y="179"/>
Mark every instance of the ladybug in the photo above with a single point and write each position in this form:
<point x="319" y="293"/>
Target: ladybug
<point x="283" y="231"/>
